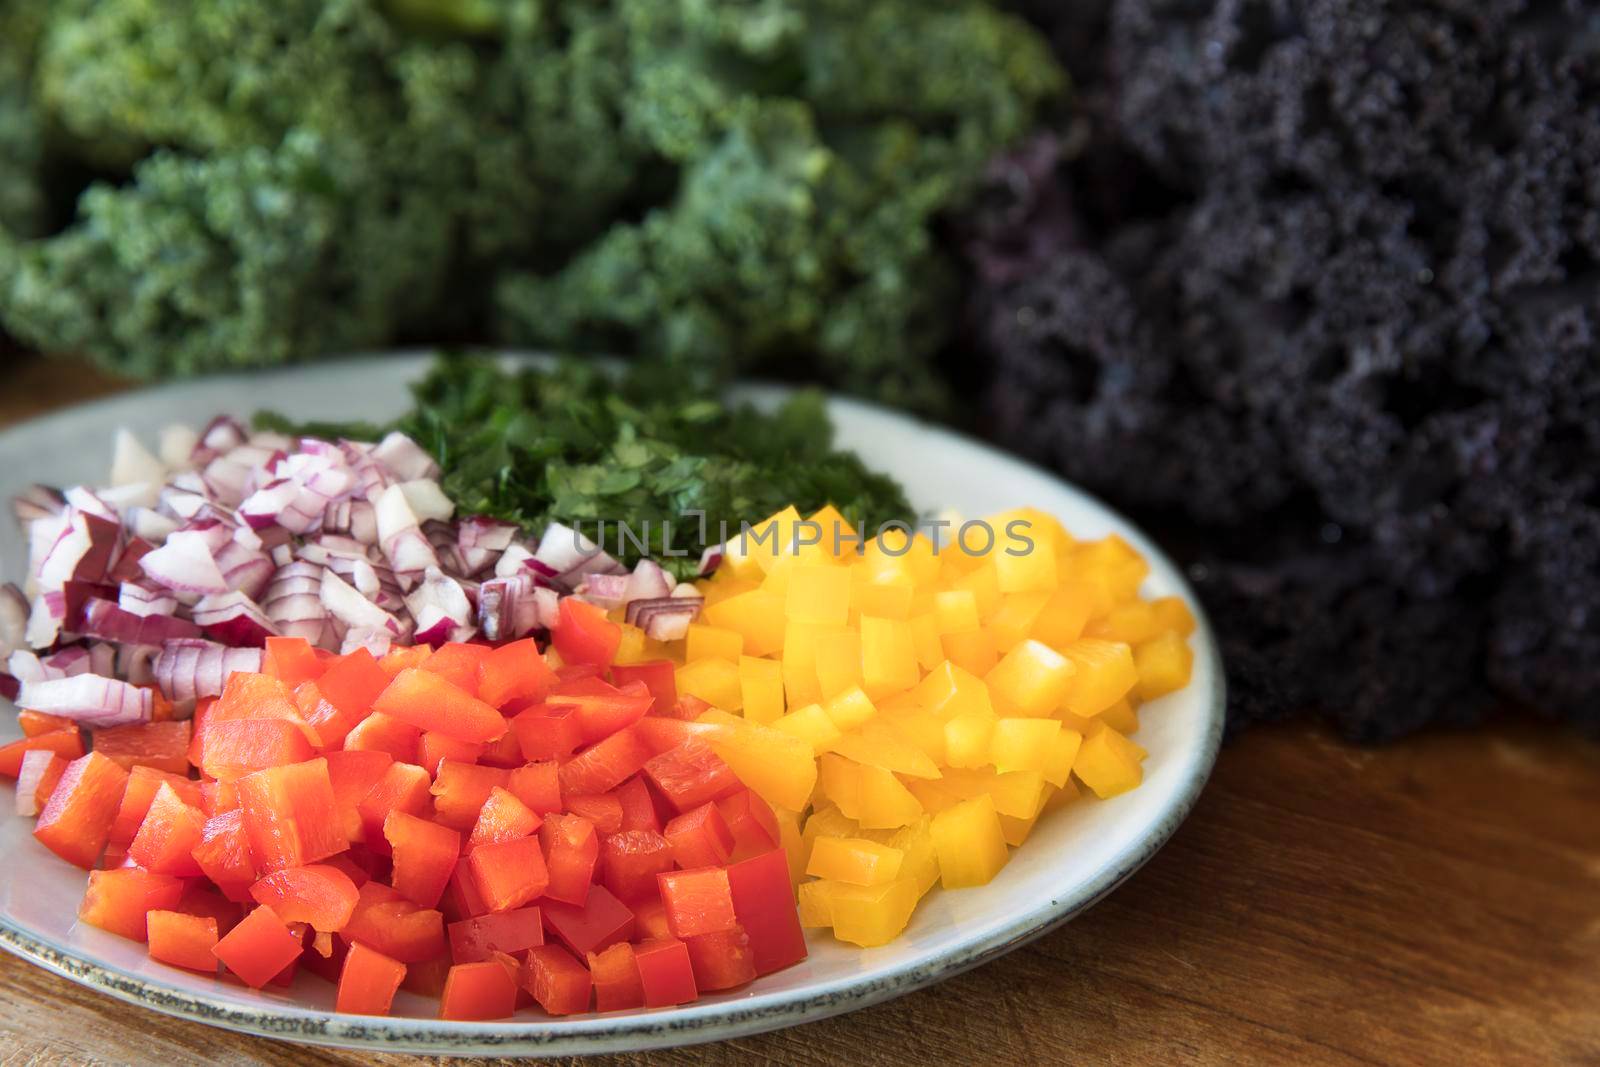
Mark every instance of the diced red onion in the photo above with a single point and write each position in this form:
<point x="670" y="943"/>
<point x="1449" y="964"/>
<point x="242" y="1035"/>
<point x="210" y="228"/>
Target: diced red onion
<point x="427" y="500"/>
<point x="103" y="659"/>
<point x="137" y="663"/>
<point x="30" y="777"/>
<point x="376" y="641"/>
<point x="45" y="618"/>
<point x="149" y="524"/>
<point x="371" y="478"/>
<point x="664" y="618"/>
<point x="351" y="608"/>
<point x="272" y="441"/>
<point x="647" y="582"/>
<point x="244" y="570"/>
<point x="67" y="662"/>
<point x="105" y="620"/>
<point x="132" y="463"/>
<point x="81" y="499"/>
<point x="185" y="566"/>
<point x="516" y="559"/>
<point x="222" y="434"/>
<point x="26" y="667"/>
<point x="710" y="560"/>
<point x="234" y="620"/>
<point x="481" y="541"/>
<point x="605" y="590"/>
<point x="125" y="498"/>
<point x="214" y="530"/>
<point x="188" y="670"/>
<point x="83" y="552"/>
<point x="507" y="609"/>
<point x="283" y="503"/>
<point x="13" y="620"/>
<point x="89" y="699"/>
<point x="176" y="445"/>
<point x="404" y="459"/>
<point x="144" y="601"/>
<point x="9" y="687"/>
<point x="127" y="568"/>
<point x="440" y="609"/>
<point x="37" y="502"/>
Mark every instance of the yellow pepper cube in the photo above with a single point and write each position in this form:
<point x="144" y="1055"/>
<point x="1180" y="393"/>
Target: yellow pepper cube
<point x="984" y="587"/>
<point x="1120" y="716"/>
<point x="812" y="725"/>
<point x="920" y="730"/>
<point x="888" y="656"/>
<point x="761" y="687"/>
<point x="1174" y="615"/>
<point x="1016" y="830"/>
<point x="723" y="585"/>
<point x="840" y="782"/>
<point x="1164" y="665"/>
<point x="1014" y="793"/>
<point x="914" y="553"/>
<point x="1132" y="623"/>
<point x="886" y="595"/>
<point x="974" y="652"/>
<point x="1103" y="673"/>
<point x="969" y="842"/>
<point x="1126" y="746"/>
<point x="854" y="860"/>
<point x="921" y="862"/>
<point x="780" y="768"/>
<point x="838" y="661"/>
<point x="850" y="710"/>
<point x="839" y="537"/>
<point x="1030" y="681"/>
<point x="774" y="538"/>
<point x="934" y="796"/>
<point x="777" y="580"/>
<point x="1063" y="796"/>
<point x="956" y="611"/>
<point x="800" y="686"/>
<point x="716" y="681"/>
<point x="757" y="616"/>
<point x="800" y="661"/>
<point x="1105" y="767"/>
<point x="1063" y="753"/>
<point x="1024" y="563"/>
<point x="816" y="904"/>
<point x="827" y="821"/>
<point x="966" y="740"/>
<point x="712" y="642"/>
<point x="950" y="690"/>
<point x="1063" y="617"/>
<point x="885" y="801"/>
<point x="1022" y="744"/>
<point x="818" y="593"/>
<point x="872" y="915"/>
<point x="878" y="747"/>
<point x="793" y="847"/>
<point x="633" y="646"/>
<point x="1014" y="618"/>
<point x="925" y="640"/>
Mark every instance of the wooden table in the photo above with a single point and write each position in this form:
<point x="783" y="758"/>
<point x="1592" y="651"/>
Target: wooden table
<point x="1435" y="901"/>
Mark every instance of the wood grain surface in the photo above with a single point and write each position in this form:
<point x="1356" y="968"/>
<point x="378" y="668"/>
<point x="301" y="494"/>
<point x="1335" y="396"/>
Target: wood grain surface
<point x="1433" y="902"/>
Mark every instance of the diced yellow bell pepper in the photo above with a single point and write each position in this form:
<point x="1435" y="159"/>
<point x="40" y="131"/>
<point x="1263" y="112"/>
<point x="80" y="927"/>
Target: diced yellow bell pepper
<point x="712" y="642"/>
<point x="1103" y="674"/>
<point x="1064" y="615"/>
<point x="1126" y="746"/>
<point x="1063" y="796"/>
<point x="966" y="740"/>
<point x="781" y="768"/>
<point x="888" y="656"/>
<point x="757" y="616"/>
<point x="956" y="611"/>
<point x="838" y="661"/>
<point x="901" y="703"/>
<point x="1120" y="716"/>
<point x="1025" y="562"/>
<point x="850" y="710"/>
<point x="839" y="780"/>
<point x="827" y="821"/>
<point x="950" y="690"/>
<point x="1105" y="766"/>
<point x="761" y="687"/>
<point x="1174" y="615"/>
<point x="925" y="640"/>
<point x="921" y="862"/>
<point x="816" y="904"/>
<point x="877" y="747"/>
<point x="1022" y="744"/>
<point x="969" y="842"/>
<point x="779" y="540"/>
<point x="631" y="649"/>
<point x="1015" y="793"/>
<point x="800" y="662"/>
<point x="872" y="915"/>
<point x="1132" y="623"/>
<point x="723" y="585"/>
<point x="920" y="730"/>
<point x="1014" y="618"/>
<point x="1031" y="680"/>
<point x="984" y="587"/>
<point x="812" y="725"/>
<point x="716" y="681"/>
<point x="885" y="801"/>
<point x="1016" y="830"/>
<point x="818" y="593"/>
<point x="1041" y="526"/>
<point x="777" y="580"/>
<point x="800" y="684"/>
<point x="887" y="596"/>
<point x="912" y="552"/>
<point x="1063" y="753"/>
<point x="1164" y="665"/>
<point x="973" y="651"/>
<point x="854" y="860"/>
<point x="933" y="796"/>
<point x="789" y="837"/>
<point x="839" y="537"/>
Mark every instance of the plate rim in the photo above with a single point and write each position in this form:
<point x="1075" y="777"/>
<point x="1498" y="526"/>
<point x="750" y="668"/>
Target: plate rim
<point x="665" y="1027"/>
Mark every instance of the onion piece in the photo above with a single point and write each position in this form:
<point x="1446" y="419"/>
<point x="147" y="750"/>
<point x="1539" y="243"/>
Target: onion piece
<point x="188" y="670"/>
<point x="67" y="662"/>
<point x="132" y="463"/>
<point x="13" y="620"/>
<point x="45" y="619"/>
<point x="176" y="444"/>
<point x="440" y="609"/>
<point x="148" y="524"/>
<point x="30" y="777"/>
<point x="665" y="618"/>
<point x="37" y="502"/>
<point x="404" y="459"/>
<point x="234" y="619"/>
<point x="710" y="560"/>
<point x="89" y="699"/>
<point x="105" y="620"/>
<point x="378" y="642"/>
<point x="514" y="560"/>
<point x="136" y="599"/>
<point x="185" y="566"/>
<point x="427" y="500"/>
<point x="647" y="582"/>
<point x="608" y="591"/>
<point x="351" y="608"/>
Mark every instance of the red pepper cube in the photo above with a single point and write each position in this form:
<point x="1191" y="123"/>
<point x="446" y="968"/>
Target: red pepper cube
<point x="605" y="765"/>
<point x="511" y="932"/>
<point x="67" y="743"/>
<point x="721" y="960"/>
<point x="515" y="671"/>
<point x="331" y="723"/>
<point x="402" y="787"/>
<point x="604" y="810"/>
<point x="763" y="901"/>
<point x="571" y="849"/>
<point x="508" y="874"/>
<point x="290" y="815"/>
<point x="258" y="949"/>
<point x="650" y="920"/>
<point x="459" y="664"/>
<point x="434" y="748"/>
<point x="76" y="821"/>
<point x="223" y="853"/>
<point x="320" y="895"/>
<point x="352" y="775"/>
<point x="547" y="733"/>
<point x="459" y="790"/>
<point x="329" y="967"/>
<point x="700" y="838"/>
<point x="506" y="752"/>
<point x="425" y="856"/>
<point x="388" y="922"/>
<point x="660" y="677"/>
<point x="380" y="733"/>
<point x="538" y="785"/>
<point x="200" y="899"/>
<point x="34" y="723"/>
<point x="162" y="745"/>
<point x="291" y="660"/>
<point x="461" y="897"/>
<point x="392" y="663"/>
<point x="368" y="981"/>
<point x="502" y="818"/>
<point x="692" y="774"/>
<point x="638" y="805"/>
<point x="751" y="822"/>
<point x="237" y="747"/>
<point x="665" y="972"/>
<point x="615" y="974"/>
<point x="478" y="991"/>
<point x="602" y="921"/>
<point x="557" y="981"/>
<point x="138" y="795"/>
<point x="183" y="940"/>
<point x="118" y="900"/>
<point x="583" y="635"/>
<point x="429" y="701"/>
<point x="168" y="836"/>
<point x="698" y="901"/>
<point x="602" y="709"/>
<point x="352" y="683"/>
<point x="630" y="861"/>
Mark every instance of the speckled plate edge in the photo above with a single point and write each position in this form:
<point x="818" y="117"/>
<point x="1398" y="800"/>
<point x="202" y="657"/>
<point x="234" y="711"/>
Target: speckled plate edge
<point x="698" y="1023"/>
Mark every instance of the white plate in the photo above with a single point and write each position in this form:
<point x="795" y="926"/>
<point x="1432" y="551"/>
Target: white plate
<point x="1075" y="856"/>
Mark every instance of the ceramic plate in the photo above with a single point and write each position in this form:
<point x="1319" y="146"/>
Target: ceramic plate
<point x="1075" y="856"/>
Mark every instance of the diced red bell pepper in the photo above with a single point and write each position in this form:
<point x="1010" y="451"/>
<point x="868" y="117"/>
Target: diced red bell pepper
<point x="763" y="901"/>
<point x="515" y="671"/>
<point x="700" y="838"/>
<point x="602" y="708"/>
<point x="663" y="734"/>
<point x="329" y="967"/>
<point x="292" y="661"/>
<point x="506" y="752"/>
<point x="557" y="981"/>
<point x="478" y="991"/>
<point x="458" y="664"/>
<point x="721" y="960"/>
<point x="389" y="923"/>
<point x="425" y="855"/>
<point x="353" y="682"/>
<point x="604" y="810"/>
<point x="216" y="797"/>
<point x="638" y="805"/>
<point x="508" y="874"/>
<point x="461" y="897"/>
<point x="259" y="948"/>
<point x="571" y="849"/>
<point x="253" y="697"/>
<point x="691" y="775"/>
<point x="616" y="978"/>
<point x="399" y="658"/>
<point x="537" y="785"/>
<point x="502" y="818"/>
<point x="426" y="978"/>
<point x="170" y="832"/>
<point x="140" y="791"/>
<point x="630" y="861"/>
<point x="459" y="790"/>
<point x="224" y="851"/>
<point x="200" y="899"/>
<point x="602" y="921"/>
<point x="402" y="787"/>
<point x="34" y="723"/>
<point x="197" y="730"/>
<point x="650" y="920"/>
<point x="68" y="744"/>
<point x="583" y="634"/>
<point x="291" y="816"/>
<point x="429" y="702"/>
<point x="546" y="733"/>
<point x="752" y="823"/>
<point x="660" y="677"/>
<point x="320" y="895"/>
<point x="331" y="723"/>
<point x="41" y="770"/>
<point x="605" y="765"/>
<point x="368" y="981"/>
<point x="77" y="819"/>
<point x="352" y="775"/>
<point x="512" y="932"/>
<point x="434" y="748"/>
<point x="162" y="745"/>
<point x="118" y="900"/>
<point x="698" y="901"/>
<point x="689" y="708"/>
<point x="571" y="672"/>
<point x="183" y="940"/>
<point x="234" y="748"/>
<point x="381" y="733"/>
<point x="665" y="972"/>
<point x="359" y="873"/>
